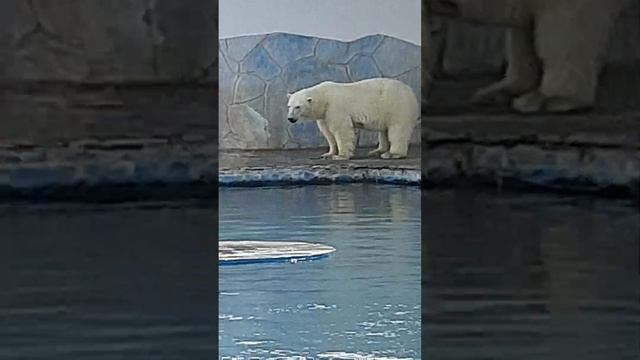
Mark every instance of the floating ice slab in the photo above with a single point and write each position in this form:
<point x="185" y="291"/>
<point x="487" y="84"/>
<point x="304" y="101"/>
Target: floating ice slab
<point x="247" y="252"/>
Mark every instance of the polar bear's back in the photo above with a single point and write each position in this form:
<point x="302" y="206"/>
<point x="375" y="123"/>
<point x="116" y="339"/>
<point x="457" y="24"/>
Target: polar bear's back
<point x="380" y="99"/>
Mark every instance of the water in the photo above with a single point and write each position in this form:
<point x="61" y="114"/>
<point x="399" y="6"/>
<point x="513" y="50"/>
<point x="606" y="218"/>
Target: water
<point x="362" y="301"/>
<point x="107" y="282"/>
<point x="505" y="277"/>
<point x="530" y="277"/>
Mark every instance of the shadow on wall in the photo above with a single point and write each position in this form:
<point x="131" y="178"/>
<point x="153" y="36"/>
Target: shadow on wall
<point x="257" y="71"/>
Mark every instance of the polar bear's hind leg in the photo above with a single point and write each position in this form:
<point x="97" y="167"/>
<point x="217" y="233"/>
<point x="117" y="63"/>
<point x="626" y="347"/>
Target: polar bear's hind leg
<point x="523" y="70"/>
<point x="399" y="137"/>
<point x="383" y="144"/>
<point x="573" y="54"/>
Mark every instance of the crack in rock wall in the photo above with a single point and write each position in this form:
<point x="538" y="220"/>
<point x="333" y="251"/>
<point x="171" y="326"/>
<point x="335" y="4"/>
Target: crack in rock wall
<point x="257" y="71"/>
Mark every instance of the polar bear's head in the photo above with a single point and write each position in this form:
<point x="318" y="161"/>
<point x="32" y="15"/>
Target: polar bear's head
<point x="299" y="106"/>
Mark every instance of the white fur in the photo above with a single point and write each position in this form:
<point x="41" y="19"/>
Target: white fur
<point x="555" y="48"/>
<point x="384" y="105"/>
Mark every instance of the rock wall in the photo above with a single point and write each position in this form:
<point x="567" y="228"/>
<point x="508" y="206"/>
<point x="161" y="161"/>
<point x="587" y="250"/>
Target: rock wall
<point x="107" y="92"/>
<point x="83" y="69"/>
<point x="256" y="72"/>
<point x="108" y="41"/>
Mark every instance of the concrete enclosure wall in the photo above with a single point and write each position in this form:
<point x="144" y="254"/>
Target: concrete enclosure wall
<point x="256" y="72"/>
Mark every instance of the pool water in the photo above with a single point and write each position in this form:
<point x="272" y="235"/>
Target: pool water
<point x="505" y="276"/>
<point x="363" y="300"/>
<point x="529" y="276"/>
<point x="129" y="281"/>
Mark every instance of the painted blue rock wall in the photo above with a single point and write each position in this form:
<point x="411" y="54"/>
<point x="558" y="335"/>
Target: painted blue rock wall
<point x="257" y="71"/>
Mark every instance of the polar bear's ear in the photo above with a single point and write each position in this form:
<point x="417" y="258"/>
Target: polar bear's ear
<point x="288" y="95"/>
<point x="308" y="99"/>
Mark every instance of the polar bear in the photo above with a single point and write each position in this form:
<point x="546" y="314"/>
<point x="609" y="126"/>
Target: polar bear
<point x="387" y="106"/>
<point x="555" y="49"/>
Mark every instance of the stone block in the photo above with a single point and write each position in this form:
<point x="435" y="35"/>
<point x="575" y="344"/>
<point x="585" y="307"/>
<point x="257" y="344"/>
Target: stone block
<point x="239" y="47"/>
<point x="43" y="58"/>
<point x="257" y="104"/>
<point x="276" y="112"/>
<point x="183" y="33"/>
<point x="248" y="87"/>
<point x="310" y="71"/>
<point x="259" y="62"/>
<point x="362" y="67"/>
<point x="226" y="83"/>
<point x="232" y="141"/>
<point x="332" y="51"/>
<point x="114" y="42"/>
<point x="249" y="127"/>
<point x="286" y="48"/>
<point x="395" y="57"/>
<point x="364" y="46"/>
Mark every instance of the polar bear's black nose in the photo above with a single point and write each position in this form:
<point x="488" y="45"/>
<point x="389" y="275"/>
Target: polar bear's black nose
<point x="292" y="120"/>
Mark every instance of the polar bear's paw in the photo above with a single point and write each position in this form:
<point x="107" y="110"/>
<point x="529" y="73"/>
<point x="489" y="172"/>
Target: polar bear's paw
<point x="389" y="155"/>
<point x="340" y="157"/>
<point x="327" y="155"/>
<point x="562" y="105"/>
<point x="495" y="94"/>
<point x="376" y="152"/>
<point x="529" y="103"/>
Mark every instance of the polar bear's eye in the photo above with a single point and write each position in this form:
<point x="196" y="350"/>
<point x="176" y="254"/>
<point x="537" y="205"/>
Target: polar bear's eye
<point x="297" y="107"/>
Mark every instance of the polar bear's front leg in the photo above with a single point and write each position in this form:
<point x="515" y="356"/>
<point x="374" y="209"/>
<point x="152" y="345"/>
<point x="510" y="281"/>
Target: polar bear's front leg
<point x="333" y="147"/>
<point x="345" y="136"/>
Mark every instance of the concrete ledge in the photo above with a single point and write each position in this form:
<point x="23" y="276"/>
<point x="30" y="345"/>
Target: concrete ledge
<point x="87" y="166"/>
<point x="596" y="154"/>
<point x="303" y="166"/>
<point x="317" y="175"/>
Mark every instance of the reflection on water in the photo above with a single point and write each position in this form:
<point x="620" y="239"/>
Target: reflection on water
<point x="364" y="300"/>
<point x="107" y="282"/>
<point x="530" y="277"/>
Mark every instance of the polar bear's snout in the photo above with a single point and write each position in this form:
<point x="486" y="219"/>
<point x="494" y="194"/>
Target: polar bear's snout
<point x="293" y="114"/>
